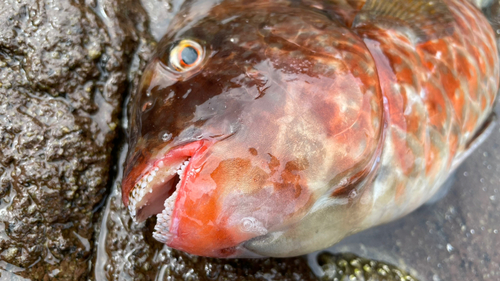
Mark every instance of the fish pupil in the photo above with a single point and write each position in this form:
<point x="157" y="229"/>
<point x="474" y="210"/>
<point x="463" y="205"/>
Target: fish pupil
<point x="189" y="55"/>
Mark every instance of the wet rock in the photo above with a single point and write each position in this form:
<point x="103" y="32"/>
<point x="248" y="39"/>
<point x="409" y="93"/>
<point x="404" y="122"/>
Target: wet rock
<point x="63" y="72"/>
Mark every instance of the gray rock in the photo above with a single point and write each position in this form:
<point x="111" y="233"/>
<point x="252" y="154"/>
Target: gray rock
<point x="62" y="78"/>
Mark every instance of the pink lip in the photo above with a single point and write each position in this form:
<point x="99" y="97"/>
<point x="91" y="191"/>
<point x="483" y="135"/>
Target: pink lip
<point x="175" y="155"/>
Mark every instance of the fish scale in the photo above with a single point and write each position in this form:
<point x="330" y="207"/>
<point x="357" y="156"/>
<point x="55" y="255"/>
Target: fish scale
<point x="429" y="124"/>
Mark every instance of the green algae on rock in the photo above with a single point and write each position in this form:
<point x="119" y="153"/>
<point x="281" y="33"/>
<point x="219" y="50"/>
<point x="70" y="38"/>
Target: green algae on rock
<point x="349" y="267"/>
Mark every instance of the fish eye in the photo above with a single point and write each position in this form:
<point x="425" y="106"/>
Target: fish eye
<point x="186" y="55"/>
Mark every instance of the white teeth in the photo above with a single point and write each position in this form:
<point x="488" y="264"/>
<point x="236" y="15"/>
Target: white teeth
<point x="163" y="219"/>
<point x="163" y="238"/>
<point x="142" y="187"/>
<point x="181" y="169"/>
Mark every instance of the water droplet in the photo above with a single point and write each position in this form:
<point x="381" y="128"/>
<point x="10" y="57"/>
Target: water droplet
<point x="472" y="231"/>
<point x="495" y="231"/>
<point x="449" y="247"/>
<point x="109" y="267"/>
<point x="466" y="174"/>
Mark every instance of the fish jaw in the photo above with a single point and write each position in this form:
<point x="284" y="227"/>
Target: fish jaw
<point x="225" y="202"/>
<point x="157" y="181"/>
<point x="166" y="181"/>
<point x="199" y="225"/>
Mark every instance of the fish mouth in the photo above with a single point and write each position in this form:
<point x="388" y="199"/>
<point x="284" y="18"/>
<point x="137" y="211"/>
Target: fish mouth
<point x="155" y="193"/>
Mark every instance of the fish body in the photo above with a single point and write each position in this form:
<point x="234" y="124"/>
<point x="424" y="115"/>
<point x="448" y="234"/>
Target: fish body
<point x="281" y="128"/>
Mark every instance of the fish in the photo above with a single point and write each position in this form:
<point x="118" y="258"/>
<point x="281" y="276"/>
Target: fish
<point x="278" y="128"/>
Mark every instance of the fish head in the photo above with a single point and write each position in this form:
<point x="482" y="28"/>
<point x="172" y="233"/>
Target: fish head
<point x="243" y="121"/>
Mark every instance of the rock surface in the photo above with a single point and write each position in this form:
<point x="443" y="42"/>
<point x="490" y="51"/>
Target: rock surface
<point x="63" y="74"/>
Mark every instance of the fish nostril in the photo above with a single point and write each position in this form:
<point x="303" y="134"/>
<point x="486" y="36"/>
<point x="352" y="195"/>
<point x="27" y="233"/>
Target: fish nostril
<point x="165" y="136"/>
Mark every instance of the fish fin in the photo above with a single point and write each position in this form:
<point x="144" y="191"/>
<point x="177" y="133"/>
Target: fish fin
<point x="476" y="141"/>
<point x="425" y="19"/>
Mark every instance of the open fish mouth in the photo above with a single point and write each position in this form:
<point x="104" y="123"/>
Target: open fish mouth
<point x="155" y="194"/>
<point x="163" y="219"/>
<point x="156" y="191"/>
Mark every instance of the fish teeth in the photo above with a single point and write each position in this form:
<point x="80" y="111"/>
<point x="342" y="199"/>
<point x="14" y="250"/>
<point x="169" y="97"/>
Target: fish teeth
<point x="142" y="187"/>
<point x="163" y="219"/>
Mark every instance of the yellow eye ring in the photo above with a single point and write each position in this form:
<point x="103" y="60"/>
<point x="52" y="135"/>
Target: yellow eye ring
<point x="186" y="55"/>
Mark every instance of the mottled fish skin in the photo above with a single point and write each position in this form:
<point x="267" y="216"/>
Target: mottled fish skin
<point x="444" y="91"/>
<point x="307" y="121"/>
